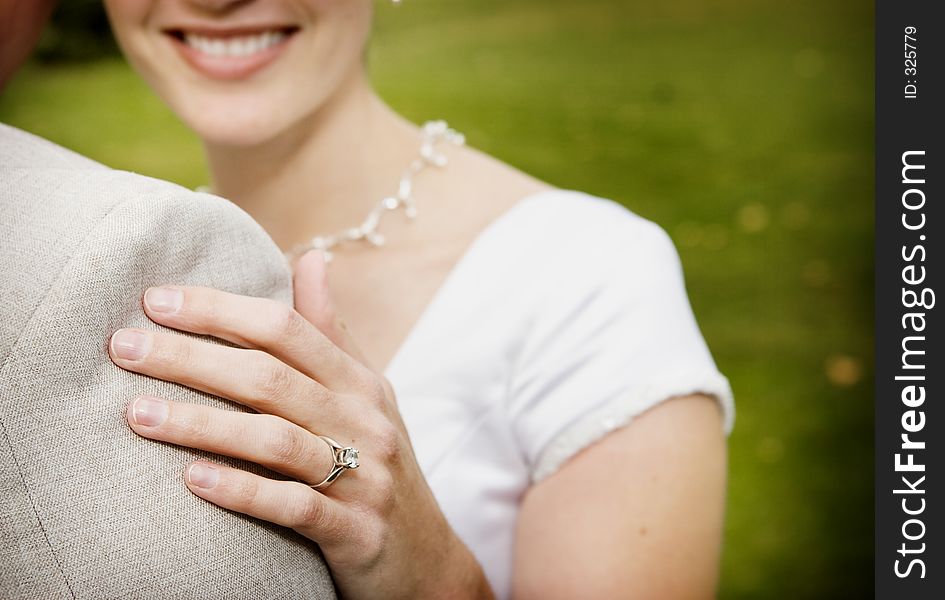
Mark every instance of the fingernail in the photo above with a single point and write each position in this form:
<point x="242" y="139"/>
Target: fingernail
<point x="131" y="344"/>
<point x="149" y="412"/>
<point x="164" y="300"/>
<point x="202" y="476"/>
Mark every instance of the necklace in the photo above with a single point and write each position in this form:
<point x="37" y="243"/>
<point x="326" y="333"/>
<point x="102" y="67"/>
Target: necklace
<point x="432" y="134"/>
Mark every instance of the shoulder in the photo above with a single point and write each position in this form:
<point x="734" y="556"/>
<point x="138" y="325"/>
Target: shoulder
<point x="79" y="243"/>
<point x="582" y="263"/>
<point x="596" y="223"/>
<point x="561" y="260"/>
<point x="20" y="149"/>
<point x="154" y="230"/>
<point x="581" y="244"/>
<point x="177" y="232"/>
<point x="610" y="331"/>
<point x="61" y="197"/>
<point x="49" y="184"/>
<point x="142" y="204"/>
<point x="96" y="231"/>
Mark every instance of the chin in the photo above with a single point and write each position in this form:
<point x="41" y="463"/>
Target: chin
<point x="235" y="122"/>
<point x="233" y="132"/>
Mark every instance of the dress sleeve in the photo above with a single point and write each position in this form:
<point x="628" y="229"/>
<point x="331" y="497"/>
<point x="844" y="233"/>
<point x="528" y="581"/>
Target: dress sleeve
<point x="614" y="335"/>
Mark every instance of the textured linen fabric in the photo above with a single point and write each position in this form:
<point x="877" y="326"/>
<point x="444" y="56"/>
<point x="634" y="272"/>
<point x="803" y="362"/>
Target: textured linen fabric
<point x="89" y="509"/>
<point x="565" y="319"/>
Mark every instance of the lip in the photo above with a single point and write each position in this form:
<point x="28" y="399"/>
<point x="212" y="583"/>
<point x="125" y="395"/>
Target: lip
<point x="229" y="68"/>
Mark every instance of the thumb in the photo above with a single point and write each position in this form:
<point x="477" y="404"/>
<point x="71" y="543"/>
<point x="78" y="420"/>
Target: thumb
<point x="313" y="301"/>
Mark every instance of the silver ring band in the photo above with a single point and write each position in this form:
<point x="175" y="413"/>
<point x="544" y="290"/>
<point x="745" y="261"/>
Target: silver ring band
<point x="345" y="457"/>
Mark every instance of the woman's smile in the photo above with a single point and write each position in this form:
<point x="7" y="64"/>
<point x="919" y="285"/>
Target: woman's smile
<point x="230" y="54"/>
<point x="243" y="72"/>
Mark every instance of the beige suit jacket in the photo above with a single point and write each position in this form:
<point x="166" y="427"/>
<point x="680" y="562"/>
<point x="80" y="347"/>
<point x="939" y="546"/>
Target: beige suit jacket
<point x="87" y="508"/>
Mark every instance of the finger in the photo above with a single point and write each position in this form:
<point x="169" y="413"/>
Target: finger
<point x="313" y="301"/>
<point x="287" y="503"/>
<point x="250" y="377"/>
<point x="266" y="440"/>
<point x="255" y="323"/>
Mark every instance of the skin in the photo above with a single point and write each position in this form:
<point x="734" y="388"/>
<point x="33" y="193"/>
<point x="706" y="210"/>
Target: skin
<point x="21" y="22"/>
<point x="375" y="523"/>
<point x="305" y="146"/>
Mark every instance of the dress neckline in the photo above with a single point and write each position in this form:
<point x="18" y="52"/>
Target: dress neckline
<point x="449" y="281"/>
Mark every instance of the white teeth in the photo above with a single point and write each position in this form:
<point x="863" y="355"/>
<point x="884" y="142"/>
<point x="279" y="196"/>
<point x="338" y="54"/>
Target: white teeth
<point x="244" y="45"/>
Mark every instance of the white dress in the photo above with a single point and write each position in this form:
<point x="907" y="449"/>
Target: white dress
<point x="564" y="319"/>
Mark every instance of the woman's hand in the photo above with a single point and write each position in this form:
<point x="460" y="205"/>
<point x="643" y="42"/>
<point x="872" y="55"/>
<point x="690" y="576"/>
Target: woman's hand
<point x="379" y="527"/>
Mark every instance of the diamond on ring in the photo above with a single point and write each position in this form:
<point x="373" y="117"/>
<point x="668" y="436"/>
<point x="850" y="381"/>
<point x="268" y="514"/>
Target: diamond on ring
<point x="348" y="457"/>
<point x="343" y="457"/>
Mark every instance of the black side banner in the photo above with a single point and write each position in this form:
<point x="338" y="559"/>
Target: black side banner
<point x="910" y="367"/>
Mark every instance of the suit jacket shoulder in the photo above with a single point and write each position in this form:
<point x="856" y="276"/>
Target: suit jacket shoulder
<point x="89" y="509"/>
<point x="19" y="149"/>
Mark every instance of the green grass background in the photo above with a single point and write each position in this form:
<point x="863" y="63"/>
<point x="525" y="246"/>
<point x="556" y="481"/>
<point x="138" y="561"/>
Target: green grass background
<point x="743" y="127"/>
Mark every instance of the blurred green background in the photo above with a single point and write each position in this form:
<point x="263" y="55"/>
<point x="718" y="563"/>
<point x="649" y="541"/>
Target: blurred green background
<point x="743" y="127"/>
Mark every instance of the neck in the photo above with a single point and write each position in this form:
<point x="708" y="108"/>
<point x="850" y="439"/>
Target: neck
<point x="322" y="175"/>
